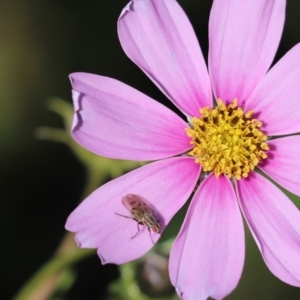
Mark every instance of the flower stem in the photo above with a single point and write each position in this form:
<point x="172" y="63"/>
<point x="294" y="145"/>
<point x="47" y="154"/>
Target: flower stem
<point x="53" y="266"/>
<point x="44" y="282"/>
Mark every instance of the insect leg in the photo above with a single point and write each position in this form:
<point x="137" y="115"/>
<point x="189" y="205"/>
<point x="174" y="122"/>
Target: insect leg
<point x="150" y="235"/>
<point x="138" y="223"/>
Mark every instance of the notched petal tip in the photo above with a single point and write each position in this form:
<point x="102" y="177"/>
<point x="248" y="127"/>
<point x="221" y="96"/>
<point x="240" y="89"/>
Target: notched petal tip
<point x="78" y="242"/>
<point x="102" y="259"/>
<point x="126" y="9"/>
<point x="77" y="117"/>
<point x="179" y="292"/>
<point x="73" y="76"/>
<point x="158" y="37"/>
<point x="76" y="100"/>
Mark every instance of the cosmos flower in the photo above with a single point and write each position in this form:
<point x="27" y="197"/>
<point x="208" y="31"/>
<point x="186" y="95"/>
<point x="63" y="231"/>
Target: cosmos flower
<point x="240" y="117"/>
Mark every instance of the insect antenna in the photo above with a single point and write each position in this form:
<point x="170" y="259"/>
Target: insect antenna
<point x="124" y="216"/>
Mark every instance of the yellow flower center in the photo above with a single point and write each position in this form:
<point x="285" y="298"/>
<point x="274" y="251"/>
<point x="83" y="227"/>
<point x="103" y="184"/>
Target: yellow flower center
<point x="227" y="140"/>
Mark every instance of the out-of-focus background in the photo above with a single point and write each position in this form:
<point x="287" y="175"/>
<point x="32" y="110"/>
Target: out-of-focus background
<point x="41" y="42"/>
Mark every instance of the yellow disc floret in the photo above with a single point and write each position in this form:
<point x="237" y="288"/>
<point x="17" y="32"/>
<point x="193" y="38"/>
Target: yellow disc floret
<point x="227" y="140"/>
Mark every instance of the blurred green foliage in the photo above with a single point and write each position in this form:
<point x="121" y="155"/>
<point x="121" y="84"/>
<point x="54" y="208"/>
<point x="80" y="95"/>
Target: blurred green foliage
<point x="41" y="182"/>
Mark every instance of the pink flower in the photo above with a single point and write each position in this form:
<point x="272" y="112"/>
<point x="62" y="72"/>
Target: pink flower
<point x="228" y="143"/>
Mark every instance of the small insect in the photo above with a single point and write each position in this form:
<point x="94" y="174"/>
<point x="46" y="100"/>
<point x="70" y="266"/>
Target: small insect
<point x="141" y="213"/>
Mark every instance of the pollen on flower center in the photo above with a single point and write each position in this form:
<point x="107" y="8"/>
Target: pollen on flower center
<point x="227" y="140"/>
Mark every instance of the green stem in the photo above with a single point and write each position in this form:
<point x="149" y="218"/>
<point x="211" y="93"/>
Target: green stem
<point x="55" y="265"/>
<point x="61" y="261"/>
<point x="94" y="178"/>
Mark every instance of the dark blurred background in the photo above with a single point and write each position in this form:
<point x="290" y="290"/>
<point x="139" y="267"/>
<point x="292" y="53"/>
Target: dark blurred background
<point x="41" y="42"/>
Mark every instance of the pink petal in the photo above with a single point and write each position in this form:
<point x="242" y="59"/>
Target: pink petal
<point x="276" y="99"/>
<point x="275" y="224"/>
<point x="158" y="37"/>
<point x="283" y="164"/>
<point x="115" y="120"/>
<point x="243" y="36"/>
<point x="208" y="255"/>
<point x="165" y="184"/>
